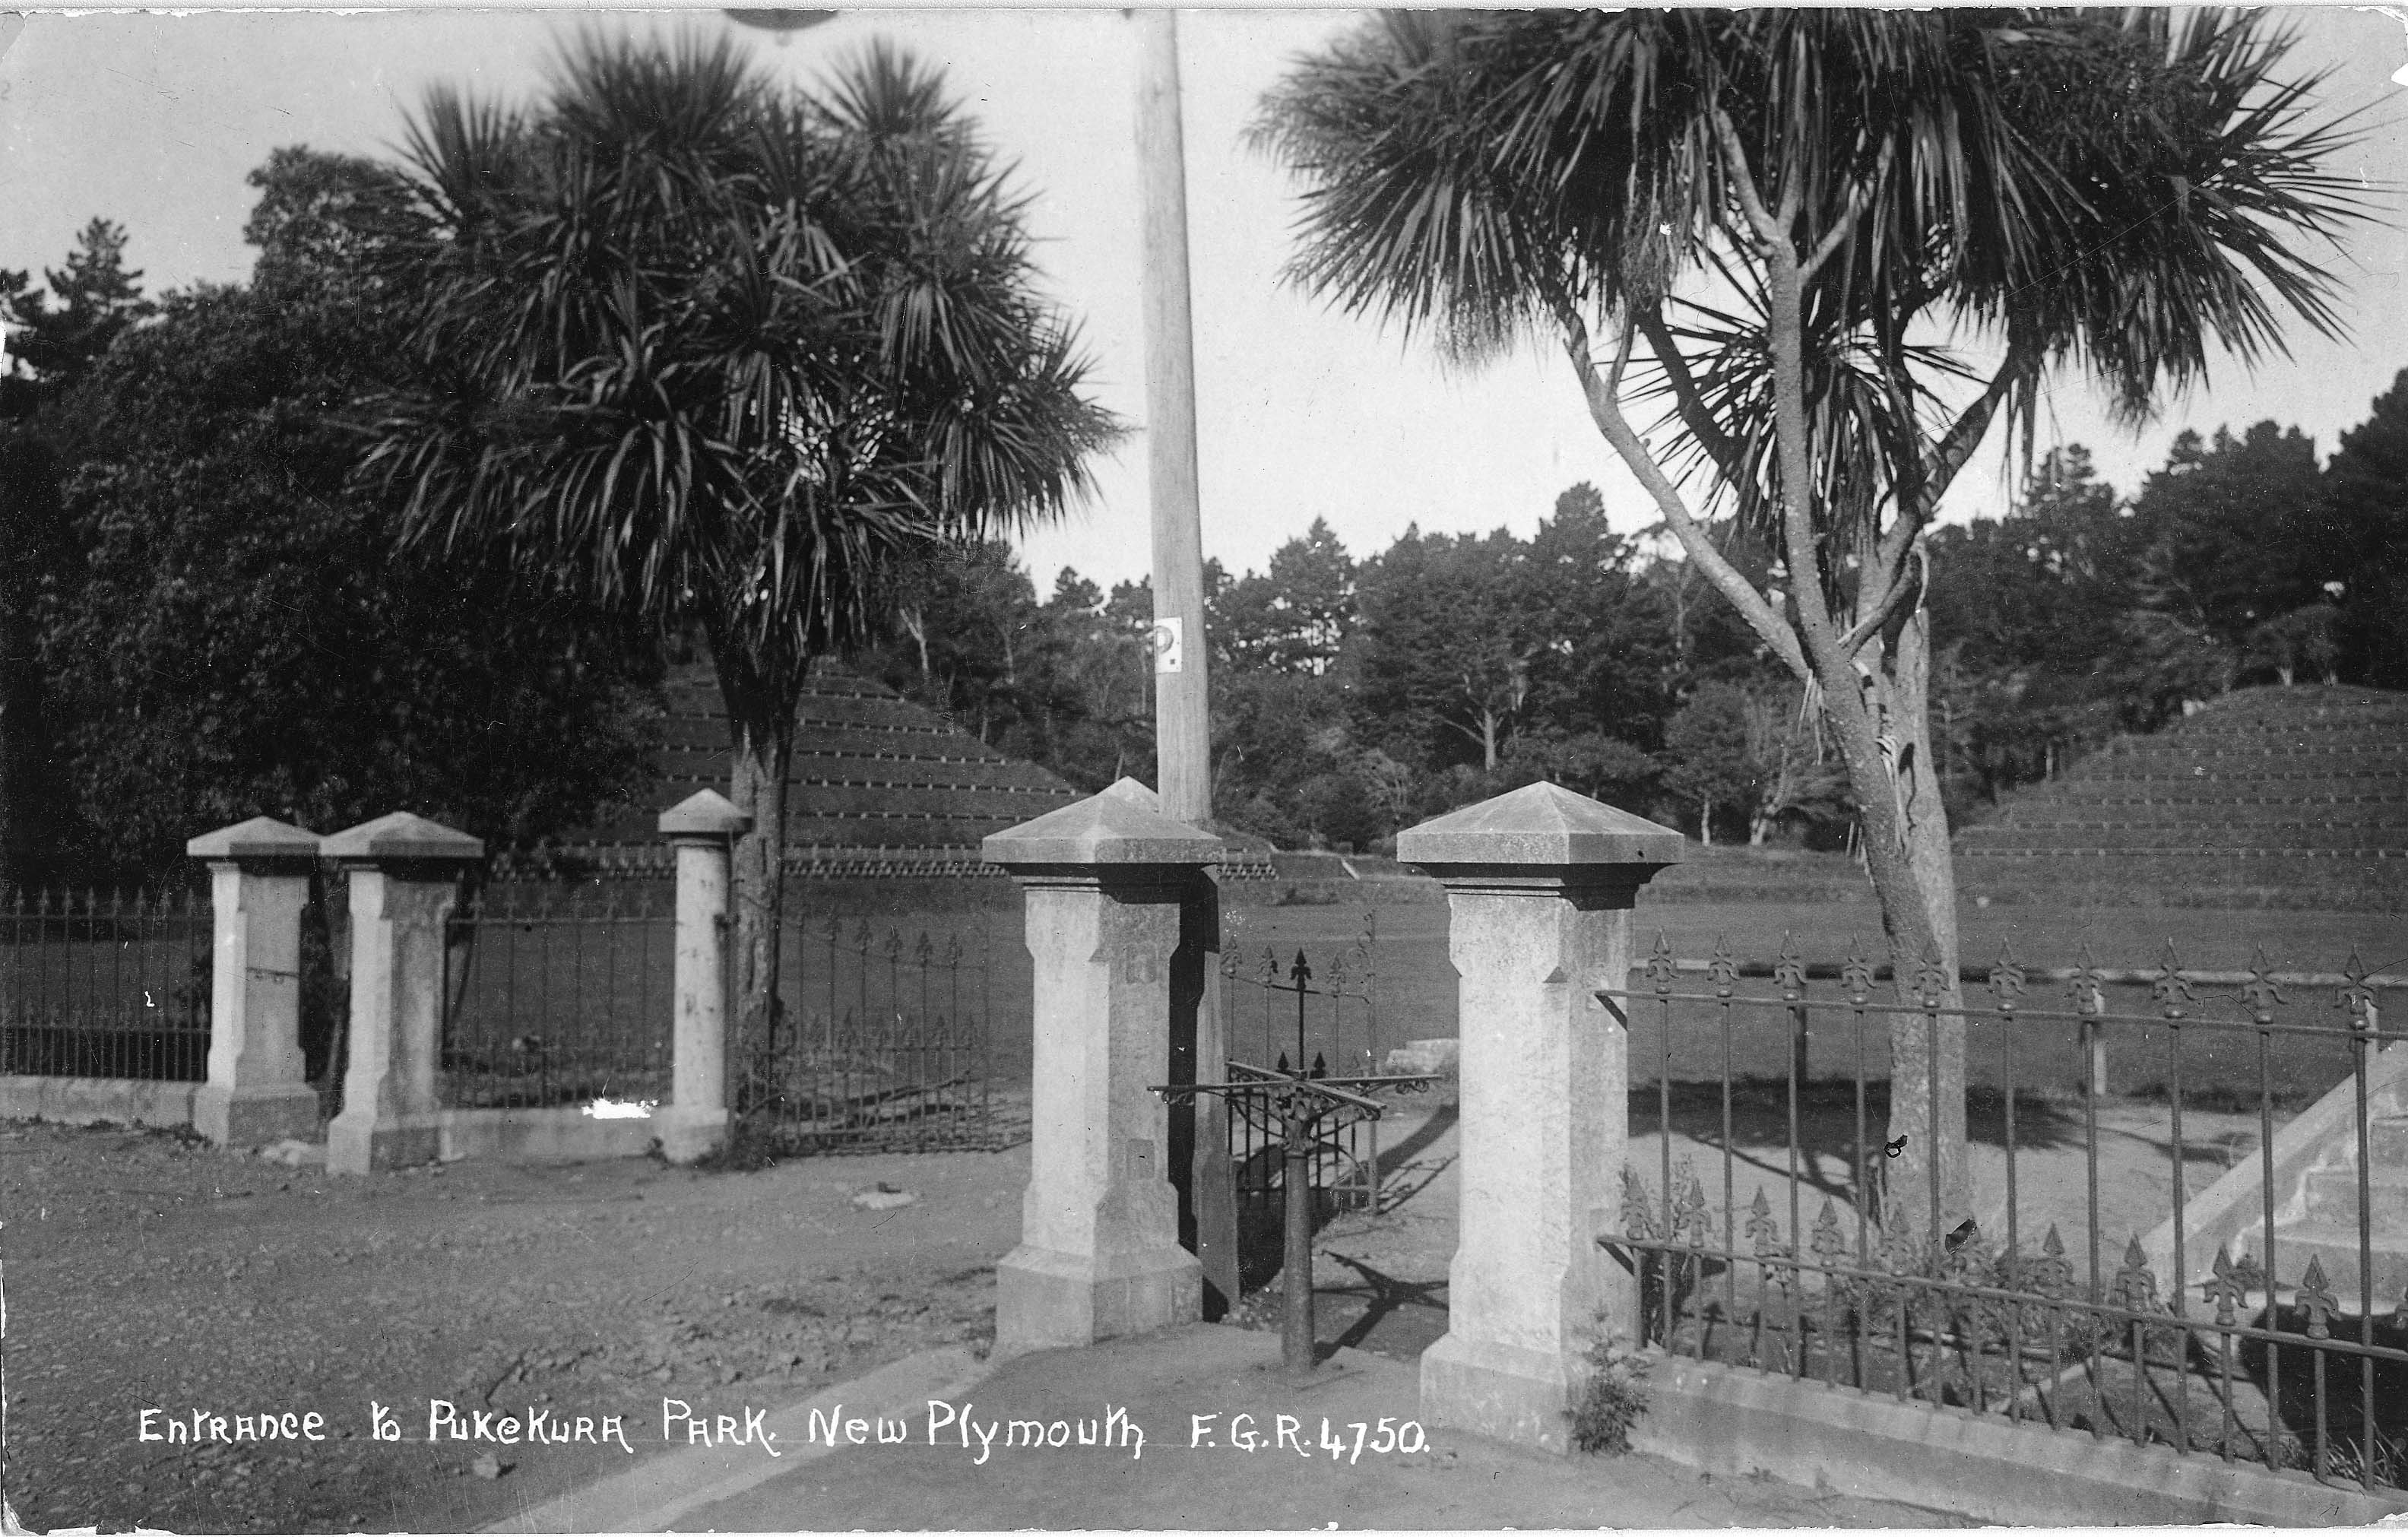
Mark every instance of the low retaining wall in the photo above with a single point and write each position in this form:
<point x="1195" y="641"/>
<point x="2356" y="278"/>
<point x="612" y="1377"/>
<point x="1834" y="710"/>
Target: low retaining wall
<point x="82" y="1101"/>
<point x="2234" y="1206"/>
<point x="1733" y="1422"/>
<point x="560" y="1133"/>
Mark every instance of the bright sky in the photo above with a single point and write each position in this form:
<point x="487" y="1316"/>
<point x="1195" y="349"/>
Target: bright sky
<point x="154" y="121"/>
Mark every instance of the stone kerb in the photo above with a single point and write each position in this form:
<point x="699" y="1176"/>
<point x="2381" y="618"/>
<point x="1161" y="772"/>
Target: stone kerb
<point x="695" y="1122"/>
<point x="1104" y="881"/>
<point x="259" y="882"/>
<point x="405" y="876"/>
<point x="1540" y="884"/>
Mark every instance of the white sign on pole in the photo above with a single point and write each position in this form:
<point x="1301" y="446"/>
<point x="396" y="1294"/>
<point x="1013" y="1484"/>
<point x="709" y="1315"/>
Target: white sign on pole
<point x="1168" y="635"/>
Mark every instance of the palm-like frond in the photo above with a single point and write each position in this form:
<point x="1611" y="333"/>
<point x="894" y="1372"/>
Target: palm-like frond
<point x="725" y="353"/>
<point x="2193" y="210"/>
<point x="1405" y="215"/>
<point x="464" y="150"/>
<point x="2125" y="192"/>
<point x="1859" y="423"/>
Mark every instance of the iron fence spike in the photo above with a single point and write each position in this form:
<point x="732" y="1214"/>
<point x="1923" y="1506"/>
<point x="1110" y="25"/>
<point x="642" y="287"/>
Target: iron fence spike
<point x="1789" y="968"/>
<point x="1636" y="1206"/>
<point x="1858" y="977"/>
<point x="1663" y="971"/>
<point x="1931" y="982"/>
<point x="2355" y="995"/>
<point x="2260" y="992"/>
<point x="2317" y="1297"/>
<point x="1722" y="968"/>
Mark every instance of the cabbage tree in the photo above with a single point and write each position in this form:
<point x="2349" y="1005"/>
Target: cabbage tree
<point x="1773" y="223"/>
<point x="726" y="354"/>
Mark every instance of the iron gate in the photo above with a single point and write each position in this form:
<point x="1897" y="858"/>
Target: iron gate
<point x="1324" y="1017"/>
<point x="883" y="1040"/>
<point x="558" y="991"/>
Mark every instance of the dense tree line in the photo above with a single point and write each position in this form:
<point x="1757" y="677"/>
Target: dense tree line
<point x="1354" y="696"/>
<point x="201" y="614"/>
<point x="204" y="616"/>
<point x="2239" y="562"/>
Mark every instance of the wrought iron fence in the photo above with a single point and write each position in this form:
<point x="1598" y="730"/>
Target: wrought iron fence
<point x="1322" y="1016"/>
<point x="105" y="985"/>
<point x="558" y="991"/>
<point x="885" y="1039"/>
<point x="2288" y="1349"/>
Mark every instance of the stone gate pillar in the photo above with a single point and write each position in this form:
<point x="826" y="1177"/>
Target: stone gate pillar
<point x="1103" y="881"/>
<point x="405" y="879"/>
<point x="695" y="1122"/>
<point x="259" y="881"/>
<point x="1540" y="884"/>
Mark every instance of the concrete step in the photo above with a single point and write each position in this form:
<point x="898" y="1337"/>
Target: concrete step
<point x="2332" y="1196"/>
<point x="2387" y="1142"/>
<point x="2335" y="1244"/>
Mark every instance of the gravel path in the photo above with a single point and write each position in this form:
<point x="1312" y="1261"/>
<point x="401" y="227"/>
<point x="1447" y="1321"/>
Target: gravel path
<point x="149" y="1270"/>
<point x="145" y="1270"/>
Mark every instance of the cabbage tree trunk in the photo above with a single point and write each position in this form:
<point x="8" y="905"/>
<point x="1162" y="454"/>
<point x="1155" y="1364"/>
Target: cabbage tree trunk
<point x="760" y="701"/>
<point x="1927" y="1183"/>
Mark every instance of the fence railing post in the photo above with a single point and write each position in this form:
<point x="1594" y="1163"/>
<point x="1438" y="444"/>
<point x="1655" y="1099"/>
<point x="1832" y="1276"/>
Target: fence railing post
<point x="1103" y="881"/>
<point x="259" y="882"/>
<point x="1540" y="884"/>
<point x="696" y="1123"/>
<point x="405" y="879"/>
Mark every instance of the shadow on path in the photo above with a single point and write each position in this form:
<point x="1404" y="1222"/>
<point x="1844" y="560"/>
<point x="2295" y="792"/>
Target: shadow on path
<point x="1827" y="1125"/>
<point x="1405" y="1317"/>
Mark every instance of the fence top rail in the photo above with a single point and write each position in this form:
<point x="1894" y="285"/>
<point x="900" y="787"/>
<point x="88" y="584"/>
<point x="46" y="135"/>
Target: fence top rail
<point x="168" y="899"/>
<point x="2187" y="1020"/>
<point x="2160" y="1317"/>
<point x="2107" y="975"/>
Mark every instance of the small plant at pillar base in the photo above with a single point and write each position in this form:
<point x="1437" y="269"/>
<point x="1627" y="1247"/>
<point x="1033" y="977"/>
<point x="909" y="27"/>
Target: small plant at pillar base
<point x="1614" y="1400"/>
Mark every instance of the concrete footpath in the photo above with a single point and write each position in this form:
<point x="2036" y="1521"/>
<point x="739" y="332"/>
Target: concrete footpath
<point x="1203" y="1430"/>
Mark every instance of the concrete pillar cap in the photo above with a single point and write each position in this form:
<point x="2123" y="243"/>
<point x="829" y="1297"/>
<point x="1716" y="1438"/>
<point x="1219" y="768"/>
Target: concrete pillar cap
<point x="1102" y="830"/>
<point x="261" y="837"/>
<point x="1539" y="824"/>
<point x="705" y="813"/>
<point x="1135" y="791"/>
<point x="401" y="835"/>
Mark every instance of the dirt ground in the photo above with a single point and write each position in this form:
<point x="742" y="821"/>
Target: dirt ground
<point x="146" y="1270"/>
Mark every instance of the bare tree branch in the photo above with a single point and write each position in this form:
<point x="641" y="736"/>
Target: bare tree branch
<point x="1784" y="312"/>
<point x="1892" y="592"/>
<point x="1857" y="203"/>
<point x="1688" y="401"/>
<point x="1938" y="465"/>
<point x="1768" y="229"/>
<point x="1621" y="358"/>
<point x="1606" y="411"/>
